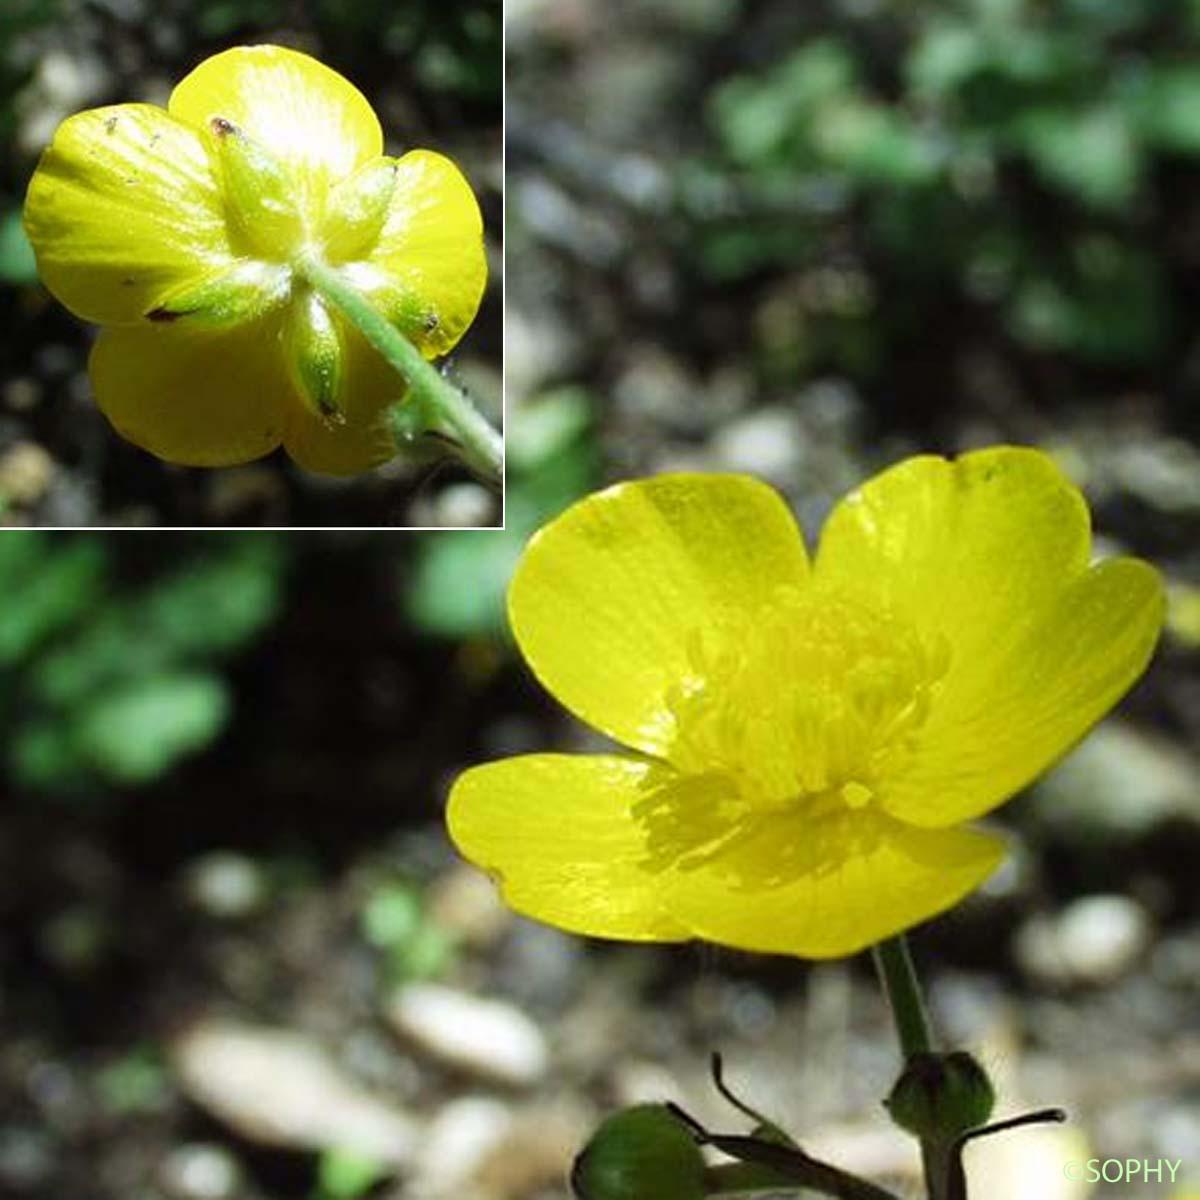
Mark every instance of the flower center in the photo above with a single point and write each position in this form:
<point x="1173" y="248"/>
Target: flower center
<point x="799" y="711"/>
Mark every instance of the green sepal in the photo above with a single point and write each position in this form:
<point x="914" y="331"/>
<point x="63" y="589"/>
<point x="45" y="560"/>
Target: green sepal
<point x="314" y="353"/>
<point x="260" y="193"/>
<point x="225" y="297"/>
<point x="357" y="209"/>
<point x="405" y="312"/>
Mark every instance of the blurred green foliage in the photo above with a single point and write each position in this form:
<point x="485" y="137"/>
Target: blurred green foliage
<point x="108" y="681"/>
<point x="1005" y="154"/>
<point x="395" y="922"/>
<point x="461" y="577"/>
<point x="346" y="1175"/>
<point x="17" y="264"/>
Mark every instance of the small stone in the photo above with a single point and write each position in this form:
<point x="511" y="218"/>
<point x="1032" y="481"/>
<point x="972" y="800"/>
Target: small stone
<point x="463" y="506"/>
<point x="487" y="1038"/>
<point x="22" y="394"/>
<point x="457" y="1142"/>
<point x="1119" y="784"/>
<point x="768" y="443"/>
<point x="1093" y="940"/>
<point x="534" y="1156"/>
<point x="200" y="1172"/>
<point x="225" y="884"/>
<point x="26" y="1159"/>
<point x="26" y="471"/>
<point x="277" y="1088"/>
<point x="464" y="903"/>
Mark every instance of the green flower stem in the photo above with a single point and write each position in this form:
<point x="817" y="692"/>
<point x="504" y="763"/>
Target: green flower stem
<point x="440" y="406"/>
<point x="903" y="991"/>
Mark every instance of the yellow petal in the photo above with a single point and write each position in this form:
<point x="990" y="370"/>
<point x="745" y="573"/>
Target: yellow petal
<point x="556" y="833"/>
<point x="830" y="889"/>
<point x="200" y="397"/>
<point x="1001" y="722"/>
<point x="305" y="114"/>
<point x="429" y="258"/>
<point x="960" y="549"/>
<point x="122" y="209"/>
<point x="607" y="598"/>
<point x="986" y="557"/>
<point x="358" y="439"/>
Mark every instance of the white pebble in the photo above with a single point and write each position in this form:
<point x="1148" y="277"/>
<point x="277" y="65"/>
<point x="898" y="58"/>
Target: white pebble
<point x="483" y="1037"/>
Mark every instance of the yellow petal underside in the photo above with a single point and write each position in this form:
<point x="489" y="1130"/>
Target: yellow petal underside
<point x="209" y="398"/>
<point x="368" y="386"/>
<point x="988" y="554"/>
<point x="432" y="247"/>
<point x="607" y="597"/>
<point x="307" y="115"/>
<point x="197" y="397"/>
<point x="856" y="879"/>
<point x="556" y="833"/>
<point x="122" y="209"/>
<point x="993" y="731"/>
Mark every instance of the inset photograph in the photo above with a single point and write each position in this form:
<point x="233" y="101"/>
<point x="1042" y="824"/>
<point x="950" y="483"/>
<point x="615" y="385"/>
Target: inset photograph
<point x="252" y="266"/>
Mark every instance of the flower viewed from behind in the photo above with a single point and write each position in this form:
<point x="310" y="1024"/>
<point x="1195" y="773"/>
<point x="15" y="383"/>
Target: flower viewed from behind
<point x="185" y="233"/>
<point x="808" y="741"/>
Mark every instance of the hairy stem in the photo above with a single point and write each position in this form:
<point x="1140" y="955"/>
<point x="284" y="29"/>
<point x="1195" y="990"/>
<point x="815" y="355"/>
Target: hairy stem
<point x="439" y="406"/>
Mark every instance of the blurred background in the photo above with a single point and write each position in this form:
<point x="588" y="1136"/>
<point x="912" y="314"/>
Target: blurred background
<point x="433" y="72"/>
<point x="238" y="958"/>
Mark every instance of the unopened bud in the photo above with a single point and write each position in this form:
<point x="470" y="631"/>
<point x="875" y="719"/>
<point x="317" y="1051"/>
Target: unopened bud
<point x="640" y="1153"/>
<point x="940" y="1096"/>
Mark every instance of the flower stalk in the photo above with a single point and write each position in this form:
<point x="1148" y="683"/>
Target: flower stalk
<point x="903" y="990"/>
<point x="907" y="1003"/>
<point x="433" y="404"/>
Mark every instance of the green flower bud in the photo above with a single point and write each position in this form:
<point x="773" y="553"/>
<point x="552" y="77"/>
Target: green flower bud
<point x="261" y="194"/>
<point x="640" y="1153"/>
<point x="940" y="1096"/>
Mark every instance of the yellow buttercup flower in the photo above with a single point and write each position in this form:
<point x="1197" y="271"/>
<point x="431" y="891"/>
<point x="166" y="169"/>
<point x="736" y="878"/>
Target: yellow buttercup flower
<point x="185" y="233"/>
<point x="807" y="740"/>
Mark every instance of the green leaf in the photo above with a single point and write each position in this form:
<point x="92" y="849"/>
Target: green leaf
<point x="47" y="584"/>
<point x="135" y="733"/>
<point x="1090" y="153"/>
<point x="761" y="117"/>
<point x="461" y="579"/>
<point x="1167" y="111"/>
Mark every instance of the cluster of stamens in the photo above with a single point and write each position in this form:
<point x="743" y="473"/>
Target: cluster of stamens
<point x="789" y="718"/>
